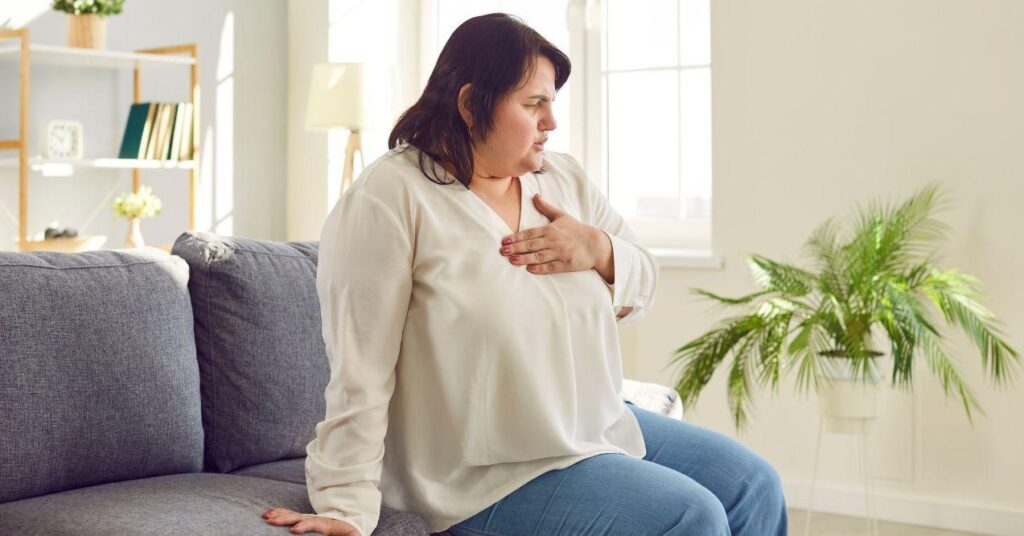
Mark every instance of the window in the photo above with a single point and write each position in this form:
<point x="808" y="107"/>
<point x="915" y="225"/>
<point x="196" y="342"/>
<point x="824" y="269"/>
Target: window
<point x="636" y="111"/>
<point x="655" y="108"/>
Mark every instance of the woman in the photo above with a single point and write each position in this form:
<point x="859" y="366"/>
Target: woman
<point x="470" y="285"/>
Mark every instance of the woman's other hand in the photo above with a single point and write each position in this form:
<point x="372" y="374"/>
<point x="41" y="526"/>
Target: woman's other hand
<point x="564" y="245"/>
<point x="302" y="523"/>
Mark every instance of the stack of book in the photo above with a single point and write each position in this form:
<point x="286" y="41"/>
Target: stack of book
<point x="158" y="131"/>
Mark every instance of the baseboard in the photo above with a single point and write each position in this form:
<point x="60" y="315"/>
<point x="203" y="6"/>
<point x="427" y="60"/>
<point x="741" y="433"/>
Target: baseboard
<point x="908" y="509"/>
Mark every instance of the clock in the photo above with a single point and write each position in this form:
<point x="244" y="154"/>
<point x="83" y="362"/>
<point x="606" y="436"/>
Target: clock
<point x="64" y="139"/>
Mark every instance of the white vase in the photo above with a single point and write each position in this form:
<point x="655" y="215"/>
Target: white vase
<point x="134" y="238"/>
<point x="850" y="403"/>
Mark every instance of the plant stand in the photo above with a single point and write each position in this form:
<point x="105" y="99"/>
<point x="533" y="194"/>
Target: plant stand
<point x="848" y="409"/>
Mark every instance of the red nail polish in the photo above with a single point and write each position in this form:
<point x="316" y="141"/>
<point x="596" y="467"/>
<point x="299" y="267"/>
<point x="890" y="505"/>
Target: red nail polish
<point x="514" y="258"/>
<point x="506" y="241"/>
<point x="506" y="250"/>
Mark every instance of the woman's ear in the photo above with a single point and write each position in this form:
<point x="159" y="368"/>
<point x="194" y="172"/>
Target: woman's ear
<point x="463" y="101"/>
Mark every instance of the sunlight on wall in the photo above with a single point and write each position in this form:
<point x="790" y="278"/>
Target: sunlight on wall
<point x="204" y="191"/>
<point x="224" y="180"/>
<point x="19" y="13"/>
<point x="336" y="140"/>
<point x="359" y="31"/>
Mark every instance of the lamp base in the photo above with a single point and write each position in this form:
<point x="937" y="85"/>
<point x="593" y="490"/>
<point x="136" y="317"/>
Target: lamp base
<point x="353" y="146"/>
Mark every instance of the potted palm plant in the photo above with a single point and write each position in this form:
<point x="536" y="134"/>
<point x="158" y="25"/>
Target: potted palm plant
<point x="87" y="20"/>
<point x="823" y="322"/>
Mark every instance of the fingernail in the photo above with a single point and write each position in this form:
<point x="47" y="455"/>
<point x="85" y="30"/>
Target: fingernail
<point x="506" y="250"/>
<point x="507" y="240"/>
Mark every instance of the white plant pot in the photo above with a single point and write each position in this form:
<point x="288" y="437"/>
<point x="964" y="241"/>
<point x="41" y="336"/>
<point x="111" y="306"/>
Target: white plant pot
<point x="850" y="405"/>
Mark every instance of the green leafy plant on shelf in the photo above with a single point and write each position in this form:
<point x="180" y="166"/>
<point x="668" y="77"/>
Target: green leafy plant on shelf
<point x="85" y="7"/>
<point x="142" y="204"/>
<point x="880" y="278"/>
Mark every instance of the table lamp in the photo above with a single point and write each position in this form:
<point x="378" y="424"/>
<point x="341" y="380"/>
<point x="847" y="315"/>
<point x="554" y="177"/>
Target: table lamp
<point x="355" y="96"/>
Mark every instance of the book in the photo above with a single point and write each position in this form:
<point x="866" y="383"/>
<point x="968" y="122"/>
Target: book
<point x="154" y="133"/>
<point x="185" y="150"/>
<point x="153" y="121"/>
<point x="165" y="146"/>
<point x="147" y="131"/>
<point x="179" y="130"/>
<point x="135" y="131"/>
<point x="160" y="147"/>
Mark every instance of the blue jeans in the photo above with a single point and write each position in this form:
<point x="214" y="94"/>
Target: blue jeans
<point x="692" y="481"/>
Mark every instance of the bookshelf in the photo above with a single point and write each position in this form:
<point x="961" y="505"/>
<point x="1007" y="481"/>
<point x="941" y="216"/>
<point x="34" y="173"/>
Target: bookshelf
<point x="26" y="54"/>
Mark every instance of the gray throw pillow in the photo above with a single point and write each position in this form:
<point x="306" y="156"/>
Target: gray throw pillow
<point x="262" y="361"/>
<point x="98" y="368"/>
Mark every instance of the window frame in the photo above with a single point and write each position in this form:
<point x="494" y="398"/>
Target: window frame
<point x="686" y="243"/>
<point x="678" y="244"/>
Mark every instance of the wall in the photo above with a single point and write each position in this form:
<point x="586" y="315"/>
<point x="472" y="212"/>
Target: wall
<point x="307" y="151"/>
<point x="818" y="106"/>
<point x="242" y="50"/>
<point x="384" y="32"/>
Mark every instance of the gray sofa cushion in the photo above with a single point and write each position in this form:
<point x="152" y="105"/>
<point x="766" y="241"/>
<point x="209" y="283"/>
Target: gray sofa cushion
<point x="293" y="470"/>
<point x="261" y="352"/>
<point x="198" y="503"/>
<point x="98" y="364"/>
<point x="391" y="521"/>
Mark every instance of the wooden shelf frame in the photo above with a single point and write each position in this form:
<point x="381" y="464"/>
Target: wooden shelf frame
<point x="191" y="50"/>
<point x="37" y="163"/>
<point x="21" y="144"/>
<point x="90" y="58"/>
<point x="183" y="55"/>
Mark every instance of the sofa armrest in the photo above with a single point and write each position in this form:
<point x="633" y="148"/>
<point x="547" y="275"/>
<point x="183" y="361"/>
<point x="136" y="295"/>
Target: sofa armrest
<point x="653" y="397"/>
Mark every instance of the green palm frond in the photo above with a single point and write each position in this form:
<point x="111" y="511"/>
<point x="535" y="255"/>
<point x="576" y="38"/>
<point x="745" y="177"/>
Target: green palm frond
<point x="955" y="293"/>
<point x="778" y="277"/>
<point x="942" y="366"/>
<point x="880" y="278"/>
<point x="700" y="357"/>
<point x="887" y="238"/>
<point x="825" y="252"/>
<point x="731" y="301"/>
<point x="739" y="392"/>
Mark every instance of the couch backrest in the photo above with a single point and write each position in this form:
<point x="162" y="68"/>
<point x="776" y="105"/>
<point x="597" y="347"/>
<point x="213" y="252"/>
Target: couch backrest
<point x="98" y="370"/>
<point x="262" y="360"/>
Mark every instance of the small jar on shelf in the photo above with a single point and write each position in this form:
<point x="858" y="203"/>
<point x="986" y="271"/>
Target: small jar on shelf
<point x="64" y="240"/>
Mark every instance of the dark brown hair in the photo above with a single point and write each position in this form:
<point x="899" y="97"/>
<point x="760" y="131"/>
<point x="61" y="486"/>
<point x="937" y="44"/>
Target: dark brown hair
<point x="495" y="53"/>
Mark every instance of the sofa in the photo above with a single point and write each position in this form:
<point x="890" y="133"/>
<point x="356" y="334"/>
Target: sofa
<point x="155" y="393"/>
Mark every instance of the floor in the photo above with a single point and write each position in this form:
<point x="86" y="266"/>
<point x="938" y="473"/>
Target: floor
<point x="836" y="525"/>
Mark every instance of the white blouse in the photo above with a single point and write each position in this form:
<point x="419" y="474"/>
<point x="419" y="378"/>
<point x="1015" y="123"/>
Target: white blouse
<point x="456" y="376"/>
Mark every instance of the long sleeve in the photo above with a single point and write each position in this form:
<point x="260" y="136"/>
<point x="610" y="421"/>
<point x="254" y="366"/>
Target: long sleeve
<point x="364" y="283"/>
<point x="434" y="405"/>
<point x="636" y="268"/>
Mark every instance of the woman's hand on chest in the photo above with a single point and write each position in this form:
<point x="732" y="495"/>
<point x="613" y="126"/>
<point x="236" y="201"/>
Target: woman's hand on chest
<point x="564" y="245"/>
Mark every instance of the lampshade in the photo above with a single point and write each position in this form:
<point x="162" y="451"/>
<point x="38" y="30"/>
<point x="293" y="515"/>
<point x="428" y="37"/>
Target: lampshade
<point x="350" y="95"/>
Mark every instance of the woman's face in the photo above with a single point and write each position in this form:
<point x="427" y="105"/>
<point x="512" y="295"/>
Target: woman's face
<point x="521" y="124"/>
